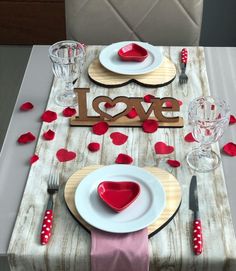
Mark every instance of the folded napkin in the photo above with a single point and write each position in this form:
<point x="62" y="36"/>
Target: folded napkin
<point x="119" y="251"/>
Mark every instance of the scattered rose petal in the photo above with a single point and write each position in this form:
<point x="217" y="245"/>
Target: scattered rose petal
<point x="162" y="148"/>
<point x="63" y="155"/>
<point x="169" y="104"/>
<point x="173" y="163"/>
<point x="124" y="159"/>
<point x="49" y="116"/>
<point x="33" y="159"/>
<point x="150" y="126"/>
<point x="100" y="128"/>
<point x="94" y="146"/>
<point x="132" y="113"/>
<point x="49" y="135"/>
<point x="26" y="106"/>
<point x="232" y="119"/>
<point x="69" y="112"/>
<point x="189" y="138"/>
<point x="118" y="138"/>
<point x="147" y="98"/>
<point x="230" y="149"/>
<point x="108" y="105"/>
<point x="26" y="138"/>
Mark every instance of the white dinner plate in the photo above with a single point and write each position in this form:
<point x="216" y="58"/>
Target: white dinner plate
<point x="142" y="212"/>
<point x="110" y="59"/>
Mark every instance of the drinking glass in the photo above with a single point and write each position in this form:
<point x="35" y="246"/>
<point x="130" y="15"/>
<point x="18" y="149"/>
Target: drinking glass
<point x="208" y="117"/>
<point x="67" y="61"/>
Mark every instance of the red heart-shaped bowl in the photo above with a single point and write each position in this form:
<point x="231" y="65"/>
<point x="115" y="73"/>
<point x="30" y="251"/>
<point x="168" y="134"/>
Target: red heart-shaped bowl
<point x="132" y="52"/>
<point x="118" y="195"/>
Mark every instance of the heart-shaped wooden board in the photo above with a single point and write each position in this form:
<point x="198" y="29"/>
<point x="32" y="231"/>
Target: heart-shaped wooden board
<point x="161" y="76"/>
<point x="169" y="182"/>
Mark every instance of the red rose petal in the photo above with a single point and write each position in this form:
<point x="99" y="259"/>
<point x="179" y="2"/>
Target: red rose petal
<point x="33" y="159"/>
<point x="150" y="126"/>
<point x="147" y="98"/>
<point x="69" y="112"/>
<point x="108" y="105"/>
<point x="26" y="138"/>
<point x="189" y="138"/>
<point x="230" y="149"/>
<point x="163" y="148"/>
<point x="94" y="146"/>
<point x="132" y="113"/>
<point x="26" y="106"/>
<point x="49" y="135"/>
<point x="49" y="116"/>
<point x="124" y="159"/>
<point x="169" y="104"/>
<point x="118" y="138"/>
<point x="100" y="128"/>
<point x="63" y="155"/>
<point x="232" y="119"/>
<point x="173" y="163"/>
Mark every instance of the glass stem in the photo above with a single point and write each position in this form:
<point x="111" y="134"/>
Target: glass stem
<point x="205" y="150"/>
<point x="69" y="87"/>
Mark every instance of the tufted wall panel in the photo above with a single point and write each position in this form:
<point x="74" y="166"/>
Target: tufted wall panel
<point x="161" y="22"/>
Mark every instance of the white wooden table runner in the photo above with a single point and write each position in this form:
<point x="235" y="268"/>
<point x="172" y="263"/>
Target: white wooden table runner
<point x="170" y="249"/>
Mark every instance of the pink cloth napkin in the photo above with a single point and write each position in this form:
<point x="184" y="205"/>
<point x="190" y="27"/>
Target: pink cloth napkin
<point x="119" y="252"/>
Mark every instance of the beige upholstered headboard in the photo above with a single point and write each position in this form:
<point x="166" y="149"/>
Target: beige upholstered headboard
<point x="160" y="22"/>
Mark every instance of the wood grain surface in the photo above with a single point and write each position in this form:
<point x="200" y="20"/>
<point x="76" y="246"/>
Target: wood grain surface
<point x="170" y="248"/>
<point x="170" y="184"/>
<point x="161" y="76"/>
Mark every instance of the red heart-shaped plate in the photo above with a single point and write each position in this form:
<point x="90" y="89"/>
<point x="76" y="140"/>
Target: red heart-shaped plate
<point x="118" y="195"/>
<point x="132" y="52"/>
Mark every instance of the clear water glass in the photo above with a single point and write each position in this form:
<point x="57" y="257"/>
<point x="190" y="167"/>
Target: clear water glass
<point x="208" y="117"/>
<point x="67" y="59"/>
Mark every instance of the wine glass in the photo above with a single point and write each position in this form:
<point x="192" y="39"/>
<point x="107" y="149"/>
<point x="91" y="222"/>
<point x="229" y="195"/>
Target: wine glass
<point x="67" y="62"/>
<point x="208" y="117"/>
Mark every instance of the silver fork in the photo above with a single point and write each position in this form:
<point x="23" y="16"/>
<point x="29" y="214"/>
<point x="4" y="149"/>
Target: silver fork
<point x="183" y="78"/>
<point x="53" y="187"/>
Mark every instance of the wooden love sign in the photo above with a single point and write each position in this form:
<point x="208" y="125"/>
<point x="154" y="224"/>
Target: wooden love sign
<point x="157" y="107"/>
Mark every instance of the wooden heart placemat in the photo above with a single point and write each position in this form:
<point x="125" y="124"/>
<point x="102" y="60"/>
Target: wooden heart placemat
<point x="161" y="76"/>
<point x="170" y="184"/>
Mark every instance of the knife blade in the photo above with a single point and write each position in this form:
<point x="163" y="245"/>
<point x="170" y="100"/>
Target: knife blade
<point x="197" y="225"/>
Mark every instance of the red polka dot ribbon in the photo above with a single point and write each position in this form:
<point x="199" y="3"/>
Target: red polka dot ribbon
<point x="46" y="227"/>
<point x="184" y="55"/>
<point x="197" y="237"/>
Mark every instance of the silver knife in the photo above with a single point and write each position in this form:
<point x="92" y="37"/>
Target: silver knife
<point x="197" y="225"/>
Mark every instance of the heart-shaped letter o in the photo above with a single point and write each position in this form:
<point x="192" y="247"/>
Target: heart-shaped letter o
<point x="104" y="99"/>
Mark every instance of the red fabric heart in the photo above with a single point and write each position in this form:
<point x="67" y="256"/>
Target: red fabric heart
<point x="132" y="113"/>
<point x="147" y="98"/>
<point x="26" y="138"/>
<point x="169" y="104"/>
<point x="230" y="149"/>
<point x="63" y="155"/>
<point x="162" y="148"/>
<point x="49" y="116"/>
<point x="150" y="126"/>
<point x="69" y="112"/>
<point x="100" y="128"/>
<point x="118" y="138"/>
<point x="94" y="146"/>
<point x="33" y="159"/>
<point x="173" y="163"/>
<point x="189" y="138"/>
<point x="26" y="106"/>
<point x="49" y="135"/>
<point x="124" y="159"/>
<point x="108" y="105"/>
<point x="232" y="119"/>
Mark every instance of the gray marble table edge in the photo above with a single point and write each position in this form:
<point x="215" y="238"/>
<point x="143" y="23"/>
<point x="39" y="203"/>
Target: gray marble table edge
<point x="36" y="84"/>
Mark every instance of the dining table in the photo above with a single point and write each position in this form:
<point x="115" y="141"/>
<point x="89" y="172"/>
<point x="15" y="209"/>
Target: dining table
<point x="23" y="193"/>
